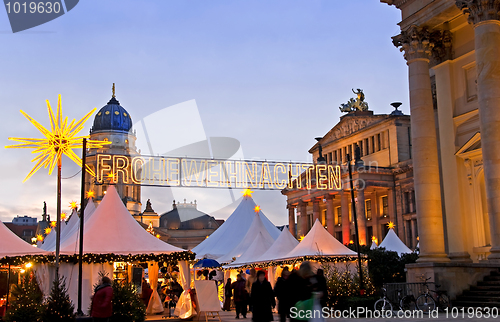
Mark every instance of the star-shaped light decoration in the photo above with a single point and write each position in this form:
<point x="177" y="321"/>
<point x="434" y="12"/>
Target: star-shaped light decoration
<point x="61" y="139"/>
<point x="391" y="225"/>
<point x="73" y="205"/>
<point x="39" y="237"/>
<point x="47" y="230"/>
<point x="256" y="209"/>
<point x="53" y="224"/>
<point x="374" y="239"/>
<point x="247" y="193"/>
<point x="63" y="216"/>
<point x="301" y="238"/>
<point x="90" y="194"/>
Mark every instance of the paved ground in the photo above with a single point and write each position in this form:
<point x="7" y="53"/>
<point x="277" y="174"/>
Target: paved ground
<point x="441" y="317"/>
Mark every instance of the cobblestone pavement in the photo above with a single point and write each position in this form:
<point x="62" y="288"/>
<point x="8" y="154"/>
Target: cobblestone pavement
<point x="441" y="317"/>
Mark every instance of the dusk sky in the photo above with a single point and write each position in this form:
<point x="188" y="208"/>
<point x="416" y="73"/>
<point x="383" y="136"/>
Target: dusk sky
<point x="270" y="74"/>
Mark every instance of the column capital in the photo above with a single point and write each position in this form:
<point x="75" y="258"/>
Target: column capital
<point x="290" y="206"/>
<point x="479" y="10"/>
<point x="421" y="43"/>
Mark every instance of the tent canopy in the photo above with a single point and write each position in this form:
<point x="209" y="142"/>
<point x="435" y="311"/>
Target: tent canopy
<point x="232" y="231"/>
<point x="11" y="245"/>
<point x="256" y="229"/>
<point x="281" y="247"/>
<point x="318" y="241"/>
<point x="112" y="230"/>
<point x="258" y="245"/>
<point x="392" y="243"/>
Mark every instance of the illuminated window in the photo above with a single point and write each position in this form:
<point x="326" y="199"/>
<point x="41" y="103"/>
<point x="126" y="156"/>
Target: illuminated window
<point x="368" y="209"/>
<point x="323" y="217"/>
<point x="350" y="212"/>
<point x="385" y="206"/>
<point x="338" y="216"/>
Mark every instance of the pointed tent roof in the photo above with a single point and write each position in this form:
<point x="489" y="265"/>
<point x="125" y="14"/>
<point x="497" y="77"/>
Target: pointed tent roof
<point x="49" y="242"/>
<point x="392" y="242"/>
<point x="112" y="229"/>
<point x="318" y="241"/>
<point x="260" y="244"/>
<point x="232" y="231"/>
<point x="72" y="231"/>
<point x="12" y="245"/>
<point x="373" y="245"/>
<point x="281" y="247"/>
<point x="257" y="227"/>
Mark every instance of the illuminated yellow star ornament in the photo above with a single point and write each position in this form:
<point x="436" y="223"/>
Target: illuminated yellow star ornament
<point x="256" y="208"/>
<point x="247" y="193"/>
<point x="61" y="139"/>
<point x="391" y="225"/>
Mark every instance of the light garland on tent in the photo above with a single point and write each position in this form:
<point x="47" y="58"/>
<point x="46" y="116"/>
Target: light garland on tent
<point x="171" y="258"/>
<point x="315" y="258"/>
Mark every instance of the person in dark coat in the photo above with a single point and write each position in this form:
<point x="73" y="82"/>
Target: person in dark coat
<point x="322" y="287"/>
<point x="102" y="305"/>
<point x="262" y="299"/>
<point x="228" y="294"/>
<point x="240" y="296"/>
<point x="146" y="292"/>
<point x="282" y="292"/>
<point x="301" y="283"/>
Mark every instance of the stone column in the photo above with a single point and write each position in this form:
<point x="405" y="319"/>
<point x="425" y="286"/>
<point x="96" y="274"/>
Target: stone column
<point x="346" y="225"/>
<point x="375" y="216"/>
<point x="315" y="210"/>
<point x="417" y="45"/>
<point x="330" y="216"/>
<point x="291" y="220"/>
<point x="484" y="16"/>
<point x="303" y="219"/>
<point x="361" y="215"/>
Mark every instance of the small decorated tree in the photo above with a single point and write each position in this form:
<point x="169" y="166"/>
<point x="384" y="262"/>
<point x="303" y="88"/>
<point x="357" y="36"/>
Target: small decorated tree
<point x="26" y="301"/>
<point x="127" y="306"/>
<point x="59" y="306"/>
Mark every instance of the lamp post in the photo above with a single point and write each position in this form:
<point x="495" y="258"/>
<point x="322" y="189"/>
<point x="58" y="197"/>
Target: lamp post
<point x="82" y="217"/>
<point x="355" y="217"/>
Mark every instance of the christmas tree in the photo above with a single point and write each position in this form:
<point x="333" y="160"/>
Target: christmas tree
<point x="127" y="306"/>
<point x="26" y="301"/>
<point x="59" y="306"/>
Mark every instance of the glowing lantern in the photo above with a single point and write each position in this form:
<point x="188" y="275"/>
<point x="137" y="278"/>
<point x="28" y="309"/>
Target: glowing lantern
<point x="28" y="265"/>
<point x="351" y="242"/>
<point x="158" y="236"/>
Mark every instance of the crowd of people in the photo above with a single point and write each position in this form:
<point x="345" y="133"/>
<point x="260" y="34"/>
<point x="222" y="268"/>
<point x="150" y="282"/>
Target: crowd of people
<point x="254" y="293"/>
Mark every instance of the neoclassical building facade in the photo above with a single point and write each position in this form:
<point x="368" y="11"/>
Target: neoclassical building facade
<point x="452" y="49"/>
<point x="384" y="181"/>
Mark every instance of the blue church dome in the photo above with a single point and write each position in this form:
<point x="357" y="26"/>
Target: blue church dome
<point x="112" y="117"/>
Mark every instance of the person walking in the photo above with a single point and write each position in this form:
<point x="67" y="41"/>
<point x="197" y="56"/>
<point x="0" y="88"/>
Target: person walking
<point x="262" y="299"/>
<point x="240" y="297"/>
<point x="282" y="293"/>
<point x="102" y="305"/>
<point x="301" y="283"/>
<point x="322" y="287"/>
<point x="250" y="280"/>
<point x="228" y="294"/>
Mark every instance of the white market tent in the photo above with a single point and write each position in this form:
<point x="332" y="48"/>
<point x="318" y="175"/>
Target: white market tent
<point x="257" y="230"/>
<point x="11" y="245"/>
<point x="232" y="231"/>
<point x="319" y="242"/>
<point x="280" y="248"/>
<point x="112" y="229"/>
<point x="392" y="242"/>
<point x="373" y="245"/>
<point x="258" y="245"/>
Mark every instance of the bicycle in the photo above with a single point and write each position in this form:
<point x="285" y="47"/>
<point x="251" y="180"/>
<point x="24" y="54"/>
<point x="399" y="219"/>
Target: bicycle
<point x="425" y="302"/>
<point x="441" y="298"/>
<point x="405" y="303"/>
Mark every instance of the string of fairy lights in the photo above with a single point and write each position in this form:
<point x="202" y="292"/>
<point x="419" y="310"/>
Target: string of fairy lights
<point x="171" y="258"/>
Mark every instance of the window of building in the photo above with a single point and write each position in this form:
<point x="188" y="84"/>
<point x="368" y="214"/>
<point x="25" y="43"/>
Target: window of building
<point x="310" y="220"/>
<point x="338" y="216"/>
<point x="369" y="233"/>
<point x="360" y="144"/>
<point x="368" y="209"/>
<point x="372" y="150"/>
<point x="323" y="218"/>
<point x="379" y="142"/>
<point x="407" y="202"/>
<point x="350" y="212"/>
<point x="331" y="157"/>
<point x="338" y="236"/>
<point x="336" y="156"/>
<point x="385" y="206"/>
<point x="366" y="147"/>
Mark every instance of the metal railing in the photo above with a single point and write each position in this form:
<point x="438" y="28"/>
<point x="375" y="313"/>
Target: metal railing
<point x="414" y="289"/>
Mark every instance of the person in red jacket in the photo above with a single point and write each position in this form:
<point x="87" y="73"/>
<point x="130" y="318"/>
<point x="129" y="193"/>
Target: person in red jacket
<point x="102" y="307"/>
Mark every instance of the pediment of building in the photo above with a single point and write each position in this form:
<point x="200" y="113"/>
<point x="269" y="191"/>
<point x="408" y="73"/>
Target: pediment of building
<point x="350" y="125"/>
